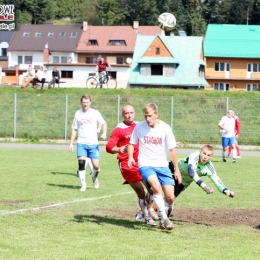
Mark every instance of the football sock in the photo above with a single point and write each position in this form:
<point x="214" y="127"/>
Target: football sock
<point x="89" y="163"/>
<point x="238" y="150"/>
<point x="223" y="154"/>
<point x="141" y="203"/>
<point x="159" y="201"/>
<point x="149" y="200"/>
<point x="82" y="177"/>
<point x="234" y="153"/>
<point x="229" y="149"/>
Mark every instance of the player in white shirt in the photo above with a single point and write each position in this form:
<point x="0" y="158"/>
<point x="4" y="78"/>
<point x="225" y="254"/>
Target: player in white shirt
<point x="156" y="141"/>
<point x="85" y="123"/>
<point x="227" y="128"/>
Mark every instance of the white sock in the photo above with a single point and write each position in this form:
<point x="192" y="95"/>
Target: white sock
<point x="141" y="203"/>
<point x="159" y="201"/>
<point x="89" y="163"/>
<point x="223" y="154"/>
<point x="82" y="177"/>
<point x="149" y="200"/>
<point x="234" y="153"/>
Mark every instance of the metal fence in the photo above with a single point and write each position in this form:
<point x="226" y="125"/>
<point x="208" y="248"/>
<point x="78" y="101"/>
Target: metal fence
<point x="193" y="120"/>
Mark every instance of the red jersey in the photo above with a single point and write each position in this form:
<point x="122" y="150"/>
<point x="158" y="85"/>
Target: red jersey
<point x="120" y="136"/>
<point x="102" y="66"/>
<point x="237" y="125"/>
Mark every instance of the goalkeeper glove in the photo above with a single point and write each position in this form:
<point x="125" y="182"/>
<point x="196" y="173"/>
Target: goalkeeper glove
<point x="230" y="193"/>
<point x="207" y="189"/>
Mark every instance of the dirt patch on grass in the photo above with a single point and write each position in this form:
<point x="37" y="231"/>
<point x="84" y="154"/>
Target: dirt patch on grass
<point x="208" y="217"/>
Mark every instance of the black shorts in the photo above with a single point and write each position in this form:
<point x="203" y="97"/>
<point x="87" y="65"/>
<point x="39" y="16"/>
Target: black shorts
<point x="178" y="188"/>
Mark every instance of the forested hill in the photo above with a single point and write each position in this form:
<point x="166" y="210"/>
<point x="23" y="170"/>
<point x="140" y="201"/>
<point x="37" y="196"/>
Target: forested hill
<point x="192" y="15"/>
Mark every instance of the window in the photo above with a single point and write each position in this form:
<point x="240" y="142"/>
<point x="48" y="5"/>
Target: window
<point x="28" y="59"/>
<point x="25" y="60"/>
<point x="253" y="67"/>
<point x="26" y="34"/>
<point x="62" y="34"/>
<point x="221" y="86"/>
<point x="38" y="34"/>
<point x="67" y="74"/>
<point x="222" y="66"/>
<point x="73" y="34"/>
<point x="117" y="42"/>
<point x="56" y="59"/>
<point x="64" y="59"/>
<point x="156" y="70"/>
<point x="157" y="52"/>
<point x="90" y="60"/>
<point x="4" y="52"/>
<point x="92" y="42"/>
<point x="50" y="34"/>
<point x="119" y="60"/>
<point x="252" y="87"/>
<point x="201" y="71"/>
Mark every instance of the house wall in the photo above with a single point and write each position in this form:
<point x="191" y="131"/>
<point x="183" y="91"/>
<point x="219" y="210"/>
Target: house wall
<point x="238" y="77"/>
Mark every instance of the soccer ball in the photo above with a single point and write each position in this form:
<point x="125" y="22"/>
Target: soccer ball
<point x="166" y="21"/>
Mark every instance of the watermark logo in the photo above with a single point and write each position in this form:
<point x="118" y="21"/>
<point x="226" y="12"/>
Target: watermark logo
<point x="7" y="16"/>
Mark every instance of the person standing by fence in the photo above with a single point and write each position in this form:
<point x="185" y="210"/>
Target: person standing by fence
<point x="85" y="123"/>
<point x="237" y="133"/>
<point x="227" y="129"/>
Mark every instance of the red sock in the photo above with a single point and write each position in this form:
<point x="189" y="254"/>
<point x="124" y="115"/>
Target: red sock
<point x="230" y="150"/>
<point x="238" y="151"/>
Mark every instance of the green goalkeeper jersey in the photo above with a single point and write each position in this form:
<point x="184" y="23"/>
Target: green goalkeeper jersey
<point x="191" y="170"/>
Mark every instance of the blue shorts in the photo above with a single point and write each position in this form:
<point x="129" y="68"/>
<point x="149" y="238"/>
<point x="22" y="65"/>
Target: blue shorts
<point x="227" y="141"/>
<point x="163" y="174"/>
<point x="91" y="151"/>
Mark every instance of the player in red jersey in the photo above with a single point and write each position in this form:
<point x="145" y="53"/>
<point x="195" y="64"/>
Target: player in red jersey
<point x="237" y="133"/>
<point x="117" y="143"/>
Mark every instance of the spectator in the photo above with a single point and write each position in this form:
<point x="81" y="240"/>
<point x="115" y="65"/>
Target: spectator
<point x="85" y="122"/>
<point x="101" y="66"/>
<point x="156" y="141"/>
<point x="28" y="78"/>
<point x="227" y="128"/>
<point x="117" y="144"/>
<point x="40" y="77"/>
<point x="55" y="78"/>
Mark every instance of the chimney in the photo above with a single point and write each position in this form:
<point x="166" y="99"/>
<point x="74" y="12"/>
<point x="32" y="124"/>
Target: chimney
<point x="46" y="54"/>
<point x="85" y="26"/>
<point x="136" y="24"/>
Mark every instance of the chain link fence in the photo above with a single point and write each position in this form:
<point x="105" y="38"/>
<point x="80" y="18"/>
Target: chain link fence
<point x="193" y="120"/>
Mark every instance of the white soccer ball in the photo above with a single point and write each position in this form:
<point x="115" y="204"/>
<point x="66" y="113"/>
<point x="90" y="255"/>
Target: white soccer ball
<point x="166" y="21"/>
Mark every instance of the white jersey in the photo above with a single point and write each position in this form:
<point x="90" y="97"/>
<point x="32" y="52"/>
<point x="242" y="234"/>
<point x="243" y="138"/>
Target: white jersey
<point x="154" y="143"/>
<point x="86" y="125"/>
<point x="228" y="123"/>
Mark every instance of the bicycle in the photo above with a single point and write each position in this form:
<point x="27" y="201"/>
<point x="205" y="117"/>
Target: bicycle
<point x="108" y="82"/>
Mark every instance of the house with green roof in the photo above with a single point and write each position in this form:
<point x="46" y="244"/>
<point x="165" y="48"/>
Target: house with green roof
<point x="232" y="54"/>
<point x="168" y="61"/>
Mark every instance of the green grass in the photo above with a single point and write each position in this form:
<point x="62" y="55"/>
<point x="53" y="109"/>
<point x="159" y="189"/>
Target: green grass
<point x="193" y="115"/>
<point x="99" y="224"/>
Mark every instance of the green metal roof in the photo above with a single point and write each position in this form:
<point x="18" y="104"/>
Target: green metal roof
<point x="184" y="50"/>
<point x="233" y="41"/>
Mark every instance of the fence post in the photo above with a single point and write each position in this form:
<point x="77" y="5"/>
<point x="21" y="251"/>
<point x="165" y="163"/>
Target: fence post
<point x="227" y="106"/>
<point x="66" y="117"/>
<point x="15" y="114"/>
<point x="172" y="112"/>
<point x="118" y="109"/>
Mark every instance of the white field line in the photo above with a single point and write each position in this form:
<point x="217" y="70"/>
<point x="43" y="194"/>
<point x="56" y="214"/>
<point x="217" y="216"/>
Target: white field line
<point x="61" y="204"/>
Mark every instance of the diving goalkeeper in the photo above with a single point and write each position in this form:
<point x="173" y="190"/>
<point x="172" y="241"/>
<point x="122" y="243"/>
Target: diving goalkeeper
<point x="198" y="164"/>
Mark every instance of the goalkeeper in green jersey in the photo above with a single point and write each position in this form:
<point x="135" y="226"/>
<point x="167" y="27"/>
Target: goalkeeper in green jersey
<point x="198" y="164"/>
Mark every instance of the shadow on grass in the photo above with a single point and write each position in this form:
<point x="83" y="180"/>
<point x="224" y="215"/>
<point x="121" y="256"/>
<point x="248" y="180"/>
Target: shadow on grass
<point x="126" y="223"/>
<point x="64" y="186"/>
<point x="65" y="173"/>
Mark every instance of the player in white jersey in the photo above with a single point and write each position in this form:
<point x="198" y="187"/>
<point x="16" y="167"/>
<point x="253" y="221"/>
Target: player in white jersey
<point x="85" y="123"/>
<point x="227" y="128"/>
<point x="156" y="141"/>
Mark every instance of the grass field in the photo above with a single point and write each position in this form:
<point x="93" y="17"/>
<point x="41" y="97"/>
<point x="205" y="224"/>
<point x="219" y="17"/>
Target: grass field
<point x="45" y="216"/>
